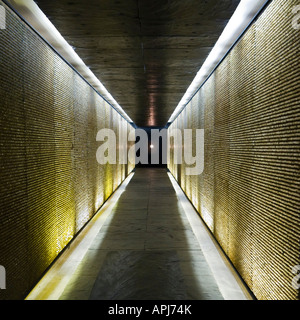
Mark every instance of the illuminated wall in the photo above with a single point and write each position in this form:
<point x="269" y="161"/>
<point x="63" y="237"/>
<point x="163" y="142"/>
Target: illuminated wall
<point x="51" y="183"/>
<point x="248" y="194"/>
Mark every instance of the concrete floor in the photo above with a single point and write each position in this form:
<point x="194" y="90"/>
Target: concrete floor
<point x="146" y="243"/>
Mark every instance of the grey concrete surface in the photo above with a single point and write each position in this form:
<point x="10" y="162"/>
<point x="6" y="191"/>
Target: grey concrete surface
<point x="145" y="250"/>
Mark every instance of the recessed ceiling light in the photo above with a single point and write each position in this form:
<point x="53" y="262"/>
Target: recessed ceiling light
<point x="35" y="17"/>
<point x="240" y="20"/>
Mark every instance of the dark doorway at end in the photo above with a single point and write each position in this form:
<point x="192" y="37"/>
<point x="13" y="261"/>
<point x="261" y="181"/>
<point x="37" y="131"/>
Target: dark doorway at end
<point x="155" y="150"/>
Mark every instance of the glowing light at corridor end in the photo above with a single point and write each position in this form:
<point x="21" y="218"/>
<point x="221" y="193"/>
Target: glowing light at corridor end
<point x="240" y="20"/>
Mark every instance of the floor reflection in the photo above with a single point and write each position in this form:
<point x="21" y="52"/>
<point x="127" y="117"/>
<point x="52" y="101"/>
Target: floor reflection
<point x="145" y="250"/>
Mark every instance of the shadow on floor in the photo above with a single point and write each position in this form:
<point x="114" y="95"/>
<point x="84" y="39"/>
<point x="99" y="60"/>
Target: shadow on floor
<point x="146" y="249"/>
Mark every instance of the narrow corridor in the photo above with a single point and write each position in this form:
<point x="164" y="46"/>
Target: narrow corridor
<point x="91" y="91"/>
<point x="144" y="248"/>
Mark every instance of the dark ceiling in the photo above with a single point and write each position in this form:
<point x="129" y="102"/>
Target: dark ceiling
<point x="145" y="52"/>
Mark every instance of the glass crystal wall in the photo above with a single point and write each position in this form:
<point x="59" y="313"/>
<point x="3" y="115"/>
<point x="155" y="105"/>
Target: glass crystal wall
<point x="51" y="183"/>
<point x="248" y="194"/>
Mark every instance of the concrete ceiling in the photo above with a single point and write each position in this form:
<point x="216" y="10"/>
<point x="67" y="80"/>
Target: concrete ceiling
<point x="145" y="52"/>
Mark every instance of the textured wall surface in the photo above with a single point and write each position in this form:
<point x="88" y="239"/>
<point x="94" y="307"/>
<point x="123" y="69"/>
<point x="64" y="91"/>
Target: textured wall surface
<point x="248" y="194"/>
<point x="51" y="183"/>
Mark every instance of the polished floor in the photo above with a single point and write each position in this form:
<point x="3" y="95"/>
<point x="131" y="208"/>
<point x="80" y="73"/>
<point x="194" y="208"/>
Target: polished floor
<point x="146" y="243"/>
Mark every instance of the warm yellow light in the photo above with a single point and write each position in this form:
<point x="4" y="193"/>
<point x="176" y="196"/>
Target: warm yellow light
<point x="54" y="282"/>
<point x="40" y="22"/>
<point x="151" y="146"/>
